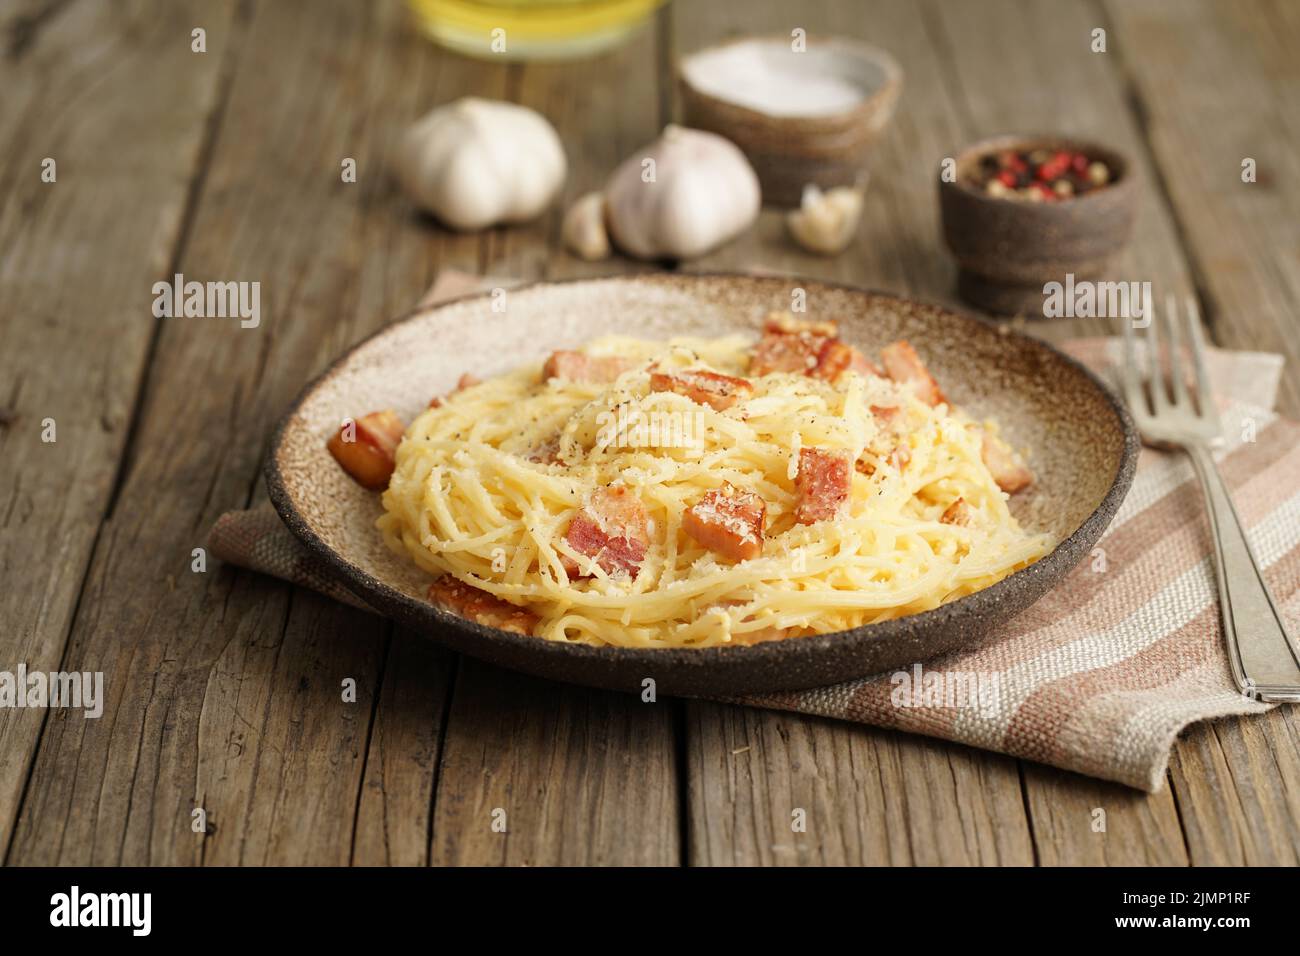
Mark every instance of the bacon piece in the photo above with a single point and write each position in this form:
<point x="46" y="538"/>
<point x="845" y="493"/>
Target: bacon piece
<point x="958" y="513"/>
<point x="478" y="605"/>
<point x="465" y="381"/>
<point x="613" y="528"/>
<point x="717" y="391"/>
<point x="588" y="369"/>
<point x="813" y="348"/>
<point x="791" y="345"/>
<point x="904" y="366"/>
<point x="368" y="451"/>
<point x="837" y="357"/>
<point x="729" y="522"/>
<point x="1005" y="465"/>
<point x="823" y="483"/>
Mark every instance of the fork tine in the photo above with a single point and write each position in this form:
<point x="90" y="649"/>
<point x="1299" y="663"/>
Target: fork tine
<point x="1159" y="397"/>
<point x="1177" y="379"/>
<point x="1131" y="377"/>
<point x="1204" y="400"/>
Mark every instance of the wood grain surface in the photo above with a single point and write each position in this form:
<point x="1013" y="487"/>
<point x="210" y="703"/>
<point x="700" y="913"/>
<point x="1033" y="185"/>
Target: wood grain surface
<point x="225" y="689"/>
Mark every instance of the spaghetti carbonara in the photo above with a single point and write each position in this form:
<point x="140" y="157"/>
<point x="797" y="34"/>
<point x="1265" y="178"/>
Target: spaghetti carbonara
<point x="705" y="492"/>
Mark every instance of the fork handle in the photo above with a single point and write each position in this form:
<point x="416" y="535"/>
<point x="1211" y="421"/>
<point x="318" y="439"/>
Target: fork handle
<point x="1265" y="660"/>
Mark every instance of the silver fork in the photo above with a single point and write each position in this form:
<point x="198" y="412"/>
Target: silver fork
<point x="1265" y="660"/>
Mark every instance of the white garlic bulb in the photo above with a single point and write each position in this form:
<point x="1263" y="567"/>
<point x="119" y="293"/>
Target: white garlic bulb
<point x="681" y="196"/>
<point x="474" y="163"/>
<point x="826" y="222"/>
<point x="584" y="228"/>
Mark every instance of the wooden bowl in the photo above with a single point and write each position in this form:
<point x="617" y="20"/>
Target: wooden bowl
<point x="1007" y="249"/>
<point x="1083" y="444"/>
<point x="791" y="148"/>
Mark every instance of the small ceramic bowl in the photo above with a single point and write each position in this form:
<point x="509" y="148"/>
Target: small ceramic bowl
<point x="1007" y="249"/>
<point x="800" y="117"/>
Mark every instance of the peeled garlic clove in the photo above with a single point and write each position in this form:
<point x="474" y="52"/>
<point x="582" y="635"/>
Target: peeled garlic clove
<point x="684" y="194"/>
<point x="475" y="163"/>
<point x="584" y="228"/>
<point x="826" y="222"/>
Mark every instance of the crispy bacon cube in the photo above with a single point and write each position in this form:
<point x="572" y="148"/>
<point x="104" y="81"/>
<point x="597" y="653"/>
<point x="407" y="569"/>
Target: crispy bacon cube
<point x="718" y="391"/>
<point x="613" y="529"/>
<point x="728" y="522"/>
<point x="958" y="513"/>
<point x="837" y="357"/>
<point x="904" y="366"/>
<point x="588" y="369"/>
<point x="1005" y="465"/>
<point x="813" y="348"/>
<point x="478" y="605"/>
<point x="823" y="483"/>
<point x="791" y="345"/>
<point x="367" y="448"/>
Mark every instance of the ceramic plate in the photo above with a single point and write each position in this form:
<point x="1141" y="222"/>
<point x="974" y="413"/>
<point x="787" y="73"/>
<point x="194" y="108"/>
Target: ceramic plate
<point x="1083" y="451"/>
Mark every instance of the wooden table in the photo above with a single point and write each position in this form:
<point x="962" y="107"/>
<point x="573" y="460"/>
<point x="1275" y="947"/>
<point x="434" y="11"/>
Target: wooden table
<point x="223" y="687"/>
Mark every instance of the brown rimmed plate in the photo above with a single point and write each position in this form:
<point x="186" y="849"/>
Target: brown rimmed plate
<point x="1084" y="450"/>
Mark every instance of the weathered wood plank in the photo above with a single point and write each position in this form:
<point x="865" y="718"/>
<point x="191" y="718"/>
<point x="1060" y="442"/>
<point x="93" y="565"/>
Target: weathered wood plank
<point x="279" y="750"/>
<point x="770" y="788"/>
<point x="217" y="680"/>
<point x="583" y="776"/>
<point x="1079" y="821"/>
<point x="1235" y="784"/>
<point x="82" y="86"/>
<point x="395" y="810"/>
<point x="575" y="776"/>
<point x="1216" y="85"/>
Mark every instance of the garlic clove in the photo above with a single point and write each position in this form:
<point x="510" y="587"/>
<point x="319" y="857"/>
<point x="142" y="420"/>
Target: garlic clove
<point x="584" y="228"/>
<point x="826" y="222"/>
<point x="474" y="163"/>
<point x="683" y="195"/>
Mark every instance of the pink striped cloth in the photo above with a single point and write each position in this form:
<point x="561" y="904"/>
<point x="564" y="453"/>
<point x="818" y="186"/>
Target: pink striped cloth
<point x="1100" y="675"/>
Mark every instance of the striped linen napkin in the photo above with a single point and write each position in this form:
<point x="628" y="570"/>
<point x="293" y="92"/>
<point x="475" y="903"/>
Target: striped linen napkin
<point x="1103" y="672"/>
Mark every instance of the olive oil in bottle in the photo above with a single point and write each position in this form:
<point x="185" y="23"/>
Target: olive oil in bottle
<point x="531" y="29"/>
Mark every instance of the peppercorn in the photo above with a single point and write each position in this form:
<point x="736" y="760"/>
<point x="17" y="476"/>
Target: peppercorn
<point x="1040" y="174"/>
